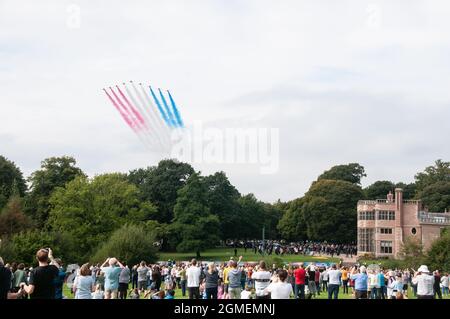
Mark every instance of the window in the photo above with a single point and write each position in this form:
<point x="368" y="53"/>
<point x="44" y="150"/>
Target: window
<point x="385" y="230"/>
<point x="365" y="240"/>
<point x="385" y="215"/>
<point x="413" y="231"/>
<point x="366" y="215"/>
<point x="386" y="247"/>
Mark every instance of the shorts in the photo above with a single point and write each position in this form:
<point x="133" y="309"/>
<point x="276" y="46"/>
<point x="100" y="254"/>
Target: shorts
<point x="142" y="285"/>
<point x="112" y="293"/>
<point x="123" y="287"/>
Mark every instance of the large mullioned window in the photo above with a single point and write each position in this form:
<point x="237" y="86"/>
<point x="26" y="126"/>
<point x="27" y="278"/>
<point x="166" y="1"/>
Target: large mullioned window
<point x="366" y="240"/>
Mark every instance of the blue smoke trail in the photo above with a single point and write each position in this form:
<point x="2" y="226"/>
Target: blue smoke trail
<point x="158" y="104"/>
<point x="169" y="113"/>
<point x="175" y="111"/>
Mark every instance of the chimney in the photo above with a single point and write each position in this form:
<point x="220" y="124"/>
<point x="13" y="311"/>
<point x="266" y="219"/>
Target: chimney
<point x="390" y="197"/>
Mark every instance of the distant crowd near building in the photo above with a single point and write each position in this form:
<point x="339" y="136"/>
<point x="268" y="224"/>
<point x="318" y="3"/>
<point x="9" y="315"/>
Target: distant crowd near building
<point x="384" y="224"/>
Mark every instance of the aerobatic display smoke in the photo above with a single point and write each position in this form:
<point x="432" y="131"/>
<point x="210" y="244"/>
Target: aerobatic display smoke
<point x="154" y="126"/>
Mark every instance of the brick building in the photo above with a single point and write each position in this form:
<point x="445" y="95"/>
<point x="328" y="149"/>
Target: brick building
<point x="383" y="224"/>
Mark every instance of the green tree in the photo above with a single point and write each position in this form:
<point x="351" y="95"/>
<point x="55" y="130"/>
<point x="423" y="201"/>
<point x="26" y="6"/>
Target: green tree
<point x="292" y="225"/>
<point x="222" y="199"/>
<point x="91" y="209"/>
<point x="11" y="181"/>
<point x="438" y="256"/>
<point x="352" y="173"/>
<point x="379" y="190"/>
<point x="330" y="210"/>
<point x="159" y="185"/>
<point x="129" y="243"/>
<point x="22" y="247"/>
<point x="194" y="227"/>
<point x="412" y="253"/>
<point x="436" y="196"/>
<point x="409" y="190"/>
<point x="440" y="172"/>
<point x="55" y="172"/>
<point x="12" y="218"/>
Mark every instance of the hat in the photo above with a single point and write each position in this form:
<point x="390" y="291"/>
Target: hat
<point x="423" y="268"/>
<point x="362" y="269"/>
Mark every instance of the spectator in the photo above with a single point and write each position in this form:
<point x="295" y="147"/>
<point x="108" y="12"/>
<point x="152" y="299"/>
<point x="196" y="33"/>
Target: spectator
<point x="112" y="273"/>
<point x="280" y="289"/>
<point x="124" y="280"/>
<point x="193" y="280"/>
<point x="424" y="282"/>
<point x="360" y="282"/>
<point x="334" y="276"/>
<point x="41" y="283"/>
<point x="84" y="284"/>
<point x="262" y="280"/>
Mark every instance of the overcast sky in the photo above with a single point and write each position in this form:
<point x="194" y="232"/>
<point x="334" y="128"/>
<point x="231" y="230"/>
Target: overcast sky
<point x="344" y="81"/>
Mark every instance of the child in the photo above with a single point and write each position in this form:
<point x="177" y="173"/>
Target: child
<point x="98" y="293"/>
<point x="220" y="290"/>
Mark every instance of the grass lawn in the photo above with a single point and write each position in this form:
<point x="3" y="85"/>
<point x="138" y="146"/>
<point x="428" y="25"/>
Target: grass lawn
<point x="224" y="254"/>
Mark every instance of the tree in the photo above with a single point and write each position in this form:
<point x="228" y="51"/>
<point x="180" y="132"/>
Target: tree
<point x="409" y="190"/>
<point x="55" y="172"/>
<point x="11" y="181"/>
<point x="379" y="190"/>
<point x="292" y="225"/>
<point x="438" y="256"/>
<point x="330" y="210"/>
<point x="12" y="218"/>
<point x="91" y="209"/>
<point x="222" y="200"/>
<point x="130" y="243"/>
<point x="22" y="247"/>
<point x="412" y="253"/>
<point x="159" y="185"/>
<point x="352" y="173"/>
<point x="194" y="227"/>
<point x="436" y="196"/>
<point x="440" y="172"/>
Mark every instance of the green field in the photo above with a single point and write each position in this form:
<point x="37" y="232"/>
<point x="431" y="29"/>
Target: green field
<point x="224" y="254"/>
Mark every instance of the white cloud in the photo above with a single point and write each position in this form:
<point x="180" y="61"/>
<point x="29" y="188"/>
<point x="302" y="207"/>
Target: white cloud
<point x="339" y="87"/>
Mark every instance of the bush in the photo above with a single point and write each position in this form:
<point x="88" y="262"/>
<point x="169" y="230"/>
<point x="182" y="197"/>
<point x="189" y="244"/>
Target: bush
<point x="130" y="244"/>
<point x="22" y="247"/>
<point x="438" y="256"/>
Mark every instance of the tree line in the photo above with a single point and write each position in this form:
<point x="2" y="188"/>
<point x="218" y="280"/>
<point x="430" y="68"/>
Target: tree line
<point x="85" y="218"/>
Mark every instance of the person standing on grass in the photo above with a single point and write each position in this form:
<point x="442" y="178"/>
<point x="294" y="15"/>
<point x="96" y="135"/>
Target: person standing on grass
<point x="300" y="276"/>
<point x="437" y="284"/>
<point x="261" y="278"/>
<point x="334" y="276"/>
<point x="445" y="284"/>
<point x="360" y="282"/>
<point x="211" y="281"/>
<point x="59" y="280"/>
<point x="112" y="273"/>
<point x="134" y="277"/>
<point x="20" y="276"/>
<point x="325" y="278"/>
<point x="280" y="289"/>
<point x="344" y="277"/>
<point x="84" y="284"/>
<point x="234" y="280"/>
<point x="424" y="282"/>
<point x="5" y="280"/>
<point x="193" y="280"/>
<point x="142" y="271"/>
<point x="41" y="283"/>
<point x="124" y="280"/>
<point x="183" y="280"/>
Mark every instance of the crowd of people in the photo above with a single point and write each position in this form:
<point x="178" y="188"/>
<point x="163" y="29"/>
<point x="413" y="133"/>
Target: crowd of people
<point x="234" y="279"/>
<point x="281" y="247"/>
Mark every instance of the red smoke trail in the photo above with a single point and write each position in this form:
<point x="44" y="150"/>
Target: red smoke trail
<point x="135" y="112"/>
<point x="124" y="116"/>
<point x="125" y="108"/>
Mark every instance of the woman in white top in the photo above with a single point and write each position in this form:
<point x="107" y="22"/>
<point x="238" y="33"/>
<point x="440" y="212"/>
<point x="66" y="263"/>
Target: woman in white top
<point x="280" y="289"/>
<point x="84" y="283"/>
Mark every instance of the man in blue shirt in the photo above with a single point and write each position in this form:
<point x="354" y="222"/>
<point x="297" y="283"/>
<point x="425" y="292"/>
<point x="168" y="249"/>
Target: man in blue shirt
<point x="381" y="280"/>
<point x="112" y="273"/>
<point x="360" y="282"/>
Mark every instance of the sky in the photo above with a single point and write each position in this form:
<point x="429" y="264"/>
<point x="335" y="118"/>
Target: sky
<point x="343" y="82"/>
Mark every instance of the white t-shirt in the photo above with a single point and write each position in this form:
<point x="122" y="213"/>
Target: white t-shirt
<point x="279" y="290"/>
<point x="193" y="276"/>
<point x="262" y="281"/>
<point x="334" y="277"/>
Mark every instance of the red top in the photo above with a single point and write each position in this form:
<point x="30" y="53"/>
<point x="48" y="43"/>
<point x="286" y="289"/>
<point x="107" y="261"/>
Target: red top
<point x="317" y="277"/>
<point x="299" y="274"/>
